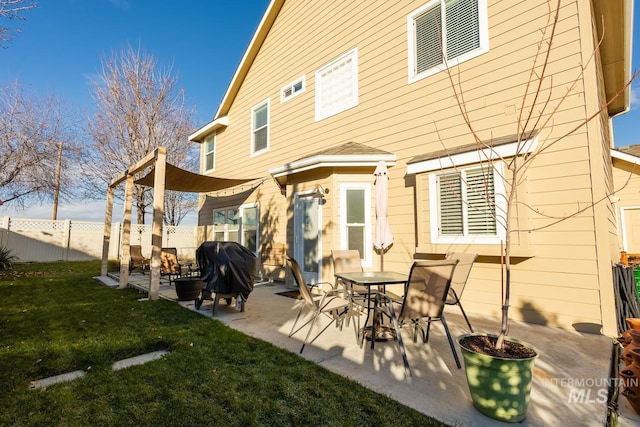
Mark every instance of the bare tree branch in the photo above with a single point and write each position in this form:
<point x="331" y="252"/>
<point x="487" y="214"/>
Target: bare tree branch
<point x="139" y="108"/>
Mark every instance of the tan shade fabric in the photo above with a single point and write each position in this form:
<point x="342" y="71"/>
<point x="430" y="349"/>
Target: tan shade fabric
<point x="182" y="180"/>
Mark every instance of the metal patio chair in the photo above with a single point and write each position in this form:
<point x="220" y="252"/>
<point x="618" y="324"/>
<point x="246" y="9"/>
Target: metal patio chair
<point x="459" y="280"/>
<point x="424" y="299"/>
<point x="328" y="303"/>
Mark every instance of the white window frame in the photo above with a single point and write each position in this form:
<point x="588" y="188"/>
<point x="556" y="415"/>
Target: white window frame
<point x="266" y="102"/>
<point x="240" y="230"/>
<point x="483" y="28"/>
<point x="500" y="203"/>
<point x="350" y="101"/>
<point x="292" y="88"/>
<point x="212" y="152"/>
<point x="368" y="229"/>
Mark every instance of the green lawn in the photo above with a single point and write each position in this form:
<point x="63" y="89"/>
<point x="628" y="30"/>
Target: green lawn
<point x="55" y="318"/>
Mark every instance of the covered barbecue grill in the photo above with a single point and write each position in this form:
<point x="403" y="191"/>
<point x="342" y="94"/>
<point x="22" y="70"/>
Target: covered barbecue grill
<point x="226" y="270"/>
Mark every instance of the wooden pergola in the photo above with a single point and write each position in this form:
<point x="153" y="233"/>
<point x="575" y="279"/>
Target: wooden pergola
<point x="164" y="176"/>
<point x="157" y="159"/>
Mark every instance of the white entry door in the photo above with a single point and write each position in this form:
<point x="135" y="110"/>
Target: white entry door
<point x="307" y="236"/>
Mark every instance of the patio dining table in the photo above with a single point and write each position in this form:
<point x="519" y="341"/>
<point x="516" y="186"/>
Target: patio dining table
<point x="369" y="279"/>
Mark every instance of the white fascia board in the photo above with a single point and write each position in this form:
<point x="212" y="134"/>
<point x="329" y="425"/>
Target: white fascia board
<point x="625" y="157"/>
<point x="327" y="161"/>
<point x="472" y="157"/>
<point x="209" y="128"/>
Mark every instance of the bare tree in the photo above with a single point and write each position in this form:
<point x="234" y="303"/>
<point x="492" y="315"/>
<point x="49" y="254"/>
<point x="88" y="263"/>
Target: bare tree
<point x="139" y="108"/>
<point x="31" y="131"/>
<point x="540" y="104"/>
<point x="12" y="10"/>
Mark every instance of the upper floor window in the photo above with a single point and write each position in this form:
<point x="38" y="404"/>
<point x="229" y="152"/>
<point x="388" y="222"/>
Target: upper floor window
<point x="210" y="153"/>
<point x="260" y="128"/>
<point x="444" y="33"/>
<point x="337" y="85"/>
<point x="292" y="89"/>
<point x="466" y="205"/>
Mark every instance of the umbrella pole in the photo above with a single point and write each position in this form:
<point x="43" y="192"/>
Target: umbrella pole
<point x="382" y="259"/>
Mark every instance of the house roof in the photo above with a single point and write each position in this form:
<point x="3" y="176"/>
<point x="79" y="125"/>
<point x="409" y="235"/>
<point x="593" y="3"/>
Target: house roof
<point x="614" y="24"/>
<point x="475" y="153"/>
<point x="630" y="153"/>
<point x="350" y="154"/>
<point x="615" y="28"/>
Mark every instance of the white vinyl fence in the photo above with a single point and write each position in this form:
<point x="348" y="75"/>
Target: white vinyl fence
<point x="41" y="240"/>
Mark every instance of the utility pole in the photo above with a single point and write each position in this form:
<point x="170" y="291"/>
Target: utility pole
<point x="56" y="190"/>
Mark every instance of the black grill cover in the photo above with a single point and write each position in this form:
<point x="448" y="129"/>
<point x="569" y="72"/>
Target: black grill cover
<point x="226" y="268"/>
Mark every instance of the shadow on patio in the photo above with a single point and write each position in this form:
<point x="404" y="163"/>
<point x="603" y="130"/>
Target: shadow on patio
<point x="571" y="376"/>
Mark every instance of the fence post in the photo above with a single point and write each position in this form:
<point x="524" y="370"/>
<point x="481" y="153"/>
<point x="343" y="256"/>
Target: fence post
<point x="4" y="232"/>
<point x="66" y="239"/>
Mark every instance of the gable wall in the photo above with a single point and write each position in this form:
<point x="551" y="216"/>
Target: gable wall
<point x="560" y="283"/>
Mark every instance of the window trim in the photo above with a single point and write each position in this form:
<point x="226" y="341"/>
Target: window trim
<point x="483" y="29"/>
<point x="240" y="230"/>
<point x="320" y="113"/>
<point x="284" y="98"/>
<point x="266" y="102"/>
<point x="205" y="153"/>
<point x="368" y="226"/>
<point x="434" y="207"/>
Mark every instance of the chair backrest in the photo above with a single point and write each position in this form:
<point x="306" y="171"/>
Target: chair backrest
<point x="169" y="261"/>
<point x="463" y="269"/>
<point x="427" y="289"/>
<point x="346" y="261"/>
<point x="135" y="252"/>
<point x="299" y="278"/>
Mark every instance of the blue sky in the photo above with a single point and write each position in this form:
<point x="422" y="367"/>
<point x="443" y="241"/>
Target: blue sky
<point x="63" y="42"/>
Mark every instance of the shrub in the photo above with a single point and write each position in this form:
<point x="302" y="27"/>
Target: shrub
<point x="6" y="258"/>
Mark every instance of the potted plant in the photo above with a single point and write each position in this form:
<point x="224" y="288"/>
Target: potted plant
<point x="188" y="288"/>
<point x="498" y="367"/>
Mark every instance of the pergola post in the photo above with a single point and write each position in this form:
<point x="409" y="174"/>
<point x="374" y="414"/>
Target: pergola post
<point x="158" y="213"/>
<point x="126" y="233"/>
<point x="108" y="217"/>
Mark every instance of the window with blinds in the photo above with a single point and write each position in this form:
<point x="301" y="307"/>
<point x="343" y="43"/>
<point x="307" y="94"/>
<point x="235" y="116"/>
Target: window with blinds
<point x="260" y="128"/>
<point x="337" y="85"/>
<point x="446" y="32"/>
<point x="466" y="201"/>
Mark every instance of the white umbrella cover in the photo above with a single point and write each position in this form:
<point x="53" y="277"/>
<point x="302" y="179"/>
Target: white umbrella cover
<point x="383" y="237"/>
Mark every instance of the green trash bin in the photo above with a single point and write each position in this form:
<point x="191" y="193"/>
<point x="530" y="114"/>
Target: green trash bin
<point x="636" y="273"/>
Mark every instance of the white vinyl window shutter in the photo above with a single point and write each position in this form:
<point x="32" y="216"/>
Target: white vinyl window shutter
<point x="428" y="28"/>
<point x="450" y="197"/>
<point x="462" y="27"/>
<point x="480" y="201"/>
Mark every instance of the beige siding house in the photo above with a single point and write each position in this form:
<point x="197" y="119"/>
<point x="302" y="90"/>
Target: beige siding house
<point x="626" y="176"/>
<point x="326" y="90"/>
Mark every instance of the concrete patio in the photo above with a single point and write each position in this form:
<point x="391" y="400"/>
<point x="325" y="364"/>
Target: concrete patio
<point x="571" y="376"/>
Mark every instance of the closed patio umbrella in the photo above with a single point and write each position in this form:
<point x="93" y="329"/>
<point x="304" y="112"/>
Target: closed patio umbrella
<point x="383" y="238"/>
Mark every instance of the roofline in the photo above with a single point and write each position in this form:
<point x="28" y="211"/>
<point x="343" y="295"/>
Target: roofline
<point x="334" y="160"/>
<point x="249" y="56"/>
<point x="628" y="6"/>
<point x="628" y="57"/>
<point x="616" y="154"/>
<point x="208" y="129"/>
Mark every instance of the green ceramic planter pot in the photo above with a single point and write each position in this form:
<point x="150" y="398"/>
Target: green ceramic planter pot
<point x="500" y="387"/>
<point x="188" y="288"/>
